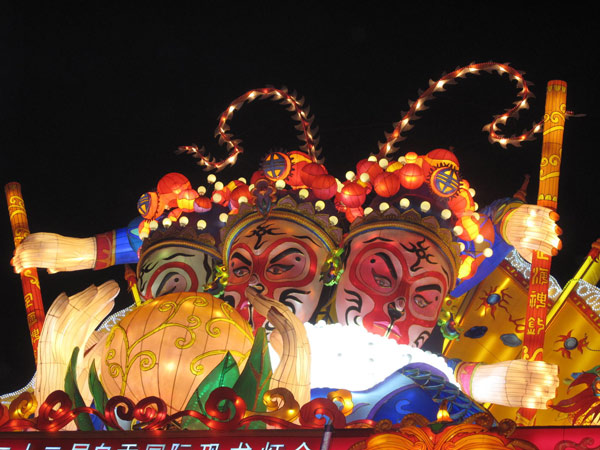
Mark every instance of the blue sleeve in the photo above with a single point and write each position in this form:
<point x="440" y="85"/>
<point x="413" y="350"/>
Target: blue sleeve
<point x="500" y="248"/>
<point x="127" y="243"/>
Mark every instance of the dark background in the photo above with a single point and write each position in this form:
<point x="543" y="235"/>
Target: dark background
<point x="94" y="103"/>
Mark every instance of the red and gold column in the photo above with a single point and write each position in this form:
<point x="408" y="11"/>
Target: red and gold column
<point x="34" y="306"/>
<point x="537" y="305"/>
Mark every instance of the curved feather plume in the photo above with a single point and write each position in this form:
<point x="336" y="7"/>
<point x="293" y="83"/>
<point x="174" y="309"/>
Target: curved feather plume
<point x="405" y="124"/>
<point x="283" y="97"/>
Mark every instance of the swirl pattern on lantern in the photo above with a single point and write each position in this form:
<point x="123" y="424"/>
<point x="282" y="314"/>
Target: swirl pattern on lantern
<point x="166" y="347"/>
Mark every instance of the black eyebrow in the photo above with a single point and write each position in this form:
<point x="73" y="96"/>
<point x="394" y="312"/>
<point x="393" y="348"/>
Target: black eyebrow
<point x="146" y="266"/>
<point x="306" y="237"/>
<point x="283" y="254"/>
<point x="378" y="239"/>
<point x="388" y="263"/>
<point x="241" y="258"/>
<point x="429" y="287"/>
<point x="174" y="255"/>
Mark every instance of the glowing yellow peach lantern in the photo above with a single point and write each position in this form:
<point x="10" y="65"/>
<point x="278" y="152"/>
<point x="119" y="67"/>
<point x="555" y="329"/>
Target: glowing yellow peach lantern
<point x="167" y="346"/>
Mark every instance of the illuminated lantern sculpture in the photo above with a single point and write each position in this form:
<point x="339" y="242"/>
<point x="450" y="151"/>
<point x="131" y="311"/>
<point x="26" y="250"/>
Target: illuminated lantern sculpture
<point x="202" y="204"/>
<point x="399" y="269"/>
<point x="148" y="205"/>
<point x="173" y="183"/>
<point x="411" y="176"/>
<point x="299" y="160"/>
<point x="167" y="346"/>
<point x="444" y="181"/>
<point x="310" y="171"/>
<point x="281" y="252"/>
<point x="185" y="200"/>
<point x="369" y="167"/>
<point x="386" y="184"/>
<point x="324" y="186"/>
<point x="352" y="194"/>
<point x="438" y="158"/>
<point x="400" y="259"/>
<point x="276" y="166"/>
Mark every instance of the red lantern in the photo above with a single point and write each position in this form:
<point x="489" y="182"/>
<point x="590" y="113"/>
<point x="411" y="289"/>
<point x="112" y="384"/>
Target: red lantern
<point x="299" y="160"/>
<point x="239" y="192"/>
<point x="256" y="176"/>
<point x="462" y="202"/>
<point x="310" y="171"/>
<point x="221" y="197"/>
<point x="470" y="226"/>
<point x="387" y="184"/>
<point x="458" y="204"/>
<point x="324" y="186"/>
<point x="441" y="156"/>
<point x="202" y="204"/>
<point x="185" y="200"/>
<point x="352" y="194"/>
<point x="371" y="168"/>
<point x="411" y="176"/>
<point x="354" y="213"/>
<point x="173" y="183"/>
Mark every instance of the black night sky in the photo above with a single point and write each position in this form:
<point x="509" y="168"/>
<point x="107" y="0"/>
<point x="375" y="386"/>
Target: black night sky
<point x="94" y="103"/>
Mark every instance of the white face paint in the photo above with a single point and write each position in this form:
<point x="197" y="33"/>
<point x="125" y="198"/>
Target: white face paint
<point x="394" y="284"/>
<point x="173" y="269"/>
<point x="282" y="260"/>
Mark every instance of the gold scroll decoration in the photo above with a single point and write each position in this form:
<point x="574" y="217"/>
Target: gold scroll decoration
<point x="554" y="126"/>
<point x="34" y="307"/>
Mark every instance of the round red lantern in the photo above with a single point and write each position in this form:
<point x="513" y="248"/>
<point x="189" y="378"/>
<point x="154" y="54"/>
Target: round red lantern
<point x="299" y="160"/>
<point x="324" y="186"/>
<point x="371" y="168"/>
<point x="202" y="204"/>
<point x="352" y="194"/>
<point x="185" y="200"/>
<point x="294" y="179"/>
<point x="310" y="171"/>
<point x="173" y="183"/>
<point x="411" y="176"/>
<point x="441" y="156"/>
<point x="221" y="197"/>
<point x="239" y="192"/>
<point x="386" y="184"/>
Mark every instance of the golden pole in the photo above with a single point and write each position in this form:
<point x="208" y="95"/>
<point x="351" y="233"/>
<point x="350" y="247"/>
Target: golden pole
<point x="34" y="307"/>
<point x="537" y="305"/>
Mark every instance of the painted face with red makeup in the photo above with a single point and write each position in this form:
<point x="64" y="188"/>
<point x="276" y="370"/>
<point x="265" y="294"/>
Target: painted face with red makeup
<point x="394" y="284"/>
<point x="282" y="260"/>
<point x="173" y="268"/>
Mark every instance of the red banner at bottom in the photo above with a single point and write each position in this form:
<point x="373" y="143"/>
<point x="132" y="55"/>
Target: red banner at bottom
<point x="558" y="438"/>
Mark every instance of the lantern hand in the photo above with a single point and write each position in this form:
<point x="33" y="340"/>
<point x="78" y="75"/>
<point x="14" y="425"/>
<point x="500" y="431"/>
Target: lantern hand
<point x="293" y="372"/>
<point x="517" y="383"/>
<point x="54" y="252"/>
<point x="530" y="228"/>
<point x="70" y="322"/>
